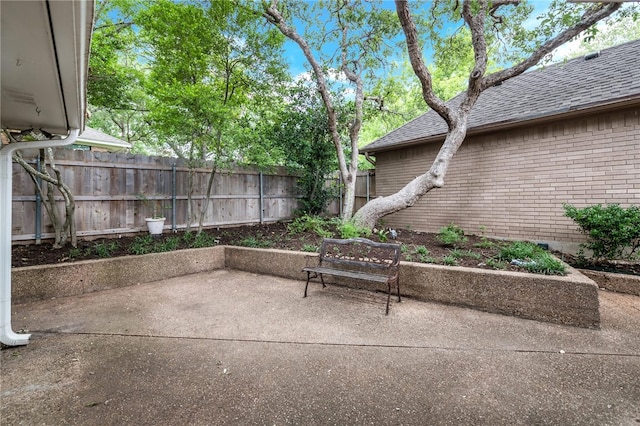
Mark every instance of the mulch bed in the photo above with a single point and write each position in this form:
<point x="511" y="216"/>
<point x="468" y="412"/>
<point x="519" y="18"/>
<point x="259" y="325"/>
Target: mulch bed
<point x="273" y="235"/>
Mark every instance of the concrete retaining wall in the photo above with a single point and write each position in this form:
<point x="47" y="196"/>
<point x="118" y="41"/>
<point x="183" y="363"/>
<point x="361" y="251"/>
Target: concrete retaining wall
<point x="571" y="300"/>
<point x="621" y="283"/>
<point x="43" y="282"/>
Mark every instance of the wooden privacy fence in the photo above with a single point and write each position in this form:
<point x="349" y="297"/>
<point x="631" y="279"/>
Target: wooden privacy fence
<point x="113" y="193"/>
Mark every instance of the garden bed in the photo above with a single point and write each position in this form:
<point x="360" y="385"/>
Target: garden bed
<point x="475" y="252"/>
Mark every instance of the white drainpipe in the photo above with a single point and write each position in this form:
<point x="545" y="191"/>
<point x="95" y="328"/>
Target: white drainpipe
<point x="7" y="335"/>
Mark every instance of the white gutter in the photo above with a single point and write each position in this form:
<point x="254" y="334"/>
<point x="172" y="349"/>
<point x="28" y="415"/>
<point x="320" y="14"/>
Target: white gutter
<point x="7" y="335"/>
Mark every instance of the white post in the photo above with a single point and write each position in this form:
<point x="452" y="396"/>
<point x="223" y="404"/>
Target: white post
<point x="7" y="335"/>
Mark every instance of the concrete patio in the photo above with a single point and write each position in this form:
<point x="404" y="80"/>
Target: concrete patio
<point x="230" y="347"/>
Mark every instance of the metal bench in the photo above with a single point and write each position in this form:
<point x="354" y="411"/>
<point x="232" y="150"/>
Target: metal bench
<point x="357" y="258"/>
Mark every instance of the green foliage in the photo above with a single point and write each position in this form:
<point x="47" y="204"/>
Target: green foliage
<point x="167" y="244"/>
<point x="383" y="235"/>
<point x="256" y="242"/>
<point x="301" y="131"/>
<point x="307" y="223"/>
<point x="422" y="250"/>
<point x="349" y="229"/>
<point x="613" y="232"/>
<point x="142" y="245"/>
<point x="449" y="260"/>
<point x="312" y="248"/>
<point x="532" y="258"/>
<point x="451" y="235"/>
<point x="202" y="239"/>
<point x="496" y="264"/>
<point x="418" y="253"/>
<point x="106" y="249"/>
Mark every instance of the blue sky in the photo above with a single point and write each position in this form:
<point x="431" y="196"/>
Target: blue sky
<point x="298" y="63"/>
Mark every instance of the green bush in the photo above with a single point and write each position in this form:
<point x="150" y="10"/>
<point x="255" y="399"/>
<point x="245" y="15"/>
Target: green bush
<point x="613" y="232"/>
<point x="451" y="235"/>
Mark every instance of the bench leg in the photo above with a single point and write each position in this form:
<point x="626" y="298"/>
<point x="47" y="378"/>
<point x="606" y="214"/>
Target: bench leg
<point x="398" y="284"/>
<point x="388" y="297"/>
<point x="315" y="275"/>
<point x="307" y="285"/>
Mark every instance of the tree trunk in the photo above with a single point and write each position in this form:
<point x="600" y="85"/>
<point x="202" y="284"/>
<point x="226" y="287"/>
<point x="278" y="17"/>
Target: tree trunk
<point x="456" y="119"/>
<point x="349" y="195"/>
<point x="62" y="228"/>
<point x="379" y="207"/>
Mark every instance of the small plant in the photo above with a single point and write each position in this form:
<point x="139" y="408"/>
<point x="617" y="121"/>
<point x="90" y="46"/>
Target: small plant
<point x="532" y="258"/>
<point x="457" y="253"/>
<point x="168" y="244"/>
<point x="484" y="241"/>
<point x="496" y="264"/>
<point x="383" y="235"/>
<point x="422" y="250"/>
<point x="426" y="258"/>
<point x="451" y="235"/>
<point x="202" y="239"/>
<point x="255" y="242"/>
<point x="106" y="249"/>
<point x="472" y="255"/>
<point x="311" y="248"/>
<point x="188" y="237"/>
<point x="351" y="230"/>
<point x="75" y="252"/>
<point x="306" y="223"/>
<point x="449" y="260"/>
<point x="142" y="245"/>
<point x="154" y="208"/>
<point x="404" y="249"/>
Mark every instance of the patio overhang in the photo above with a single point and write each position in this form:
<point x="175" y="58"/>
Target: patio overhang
<point x="45" y="51"/>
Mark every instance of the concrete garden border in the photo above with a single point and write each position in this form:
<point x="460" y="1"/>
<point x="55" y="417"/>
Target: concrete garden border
<point x="620" y="283"/>
<point x="570" y="300"/>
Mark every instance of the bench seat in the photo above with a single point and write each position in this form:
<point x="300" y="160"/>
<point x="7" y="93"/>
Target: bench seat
<point x="357" y="258"/>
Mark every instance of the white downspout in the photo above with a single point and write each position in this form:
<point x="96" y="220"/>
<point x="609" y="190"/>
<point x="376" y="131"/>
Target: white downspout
<point x="7" y="335"/>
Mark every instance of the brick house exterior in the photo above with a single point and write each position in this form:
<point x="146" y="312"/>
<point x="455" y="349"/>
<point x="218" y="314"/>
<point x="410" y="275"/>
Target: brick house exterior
<point x="567" y="133"/>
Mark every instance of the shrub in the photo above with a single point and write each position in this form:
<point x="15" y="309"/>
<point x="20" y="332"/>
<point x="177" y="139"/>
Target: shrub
<point x="451" y="235"/>
<point x="613" y="232"/>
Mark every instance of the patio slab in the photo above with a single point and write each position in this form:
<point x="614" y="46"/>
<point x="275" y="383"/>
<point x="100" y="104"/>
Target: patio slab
<point x="230" y="347"/>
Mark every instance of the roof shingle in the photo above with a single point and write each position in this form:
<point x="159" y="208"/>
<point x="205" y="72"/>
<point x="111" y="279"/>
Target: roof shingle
<point x="559" y="88"/>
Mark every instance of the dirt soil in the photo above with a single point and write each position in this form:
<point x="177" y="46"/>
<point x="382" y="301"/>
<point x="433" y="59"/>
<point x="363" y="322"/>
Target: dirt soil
<point x="275" y="235"/>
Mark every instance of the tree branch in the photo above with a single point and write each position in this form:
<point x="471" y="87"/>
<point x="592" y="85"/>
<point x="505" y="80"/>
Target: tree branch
<point x="590" y="17"/>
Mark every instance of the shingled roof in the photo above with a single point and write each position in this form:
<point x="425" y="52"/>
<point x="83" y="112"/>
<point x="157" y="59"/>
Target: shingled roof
<point x="575" y="85"/>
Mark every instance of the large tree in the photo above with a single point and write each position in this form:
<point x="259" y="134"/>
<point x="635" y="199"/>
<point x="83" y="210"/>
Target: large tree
<point x="481" y="17"/>
<point x="360" y="35"/>
<point x="213" y="67"/>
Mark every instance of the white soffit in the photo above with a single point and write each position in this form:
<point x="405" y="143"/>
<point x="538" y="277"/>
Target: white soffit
<point x="45" y="51"/>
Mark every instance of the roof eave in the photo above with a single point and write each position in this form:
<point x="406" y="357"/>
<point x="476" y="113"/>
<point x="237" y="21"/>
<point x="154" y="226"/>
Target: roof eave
<point x="571" y="112"/>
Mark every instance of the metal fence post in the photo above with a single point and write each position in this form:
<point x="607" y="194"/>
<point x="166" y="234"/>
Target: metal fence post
<point x="174" y="226"/>
<point x="261" y="198"/>
<point x="38" y="203"/>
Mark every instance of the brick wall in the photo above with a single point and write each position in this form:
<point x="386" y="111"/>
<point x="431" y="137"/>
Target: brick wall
<point x="515" y="182"/>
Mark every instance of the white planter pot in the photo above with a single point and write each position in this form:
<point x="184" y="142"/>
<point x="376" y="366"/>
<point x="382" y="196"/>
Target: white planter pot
<point x="155" y="225"/>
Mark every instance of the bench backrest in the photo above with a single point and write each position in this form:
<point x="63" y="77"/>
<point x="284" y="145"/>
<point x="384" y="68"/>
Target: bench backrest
<point x="360" y="254"/>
